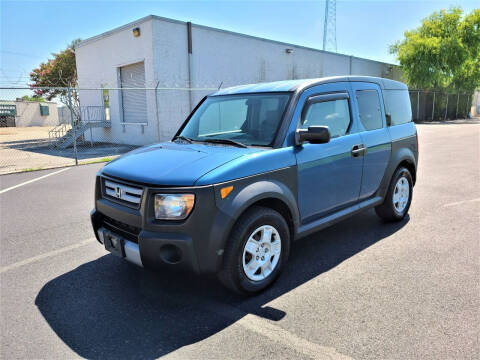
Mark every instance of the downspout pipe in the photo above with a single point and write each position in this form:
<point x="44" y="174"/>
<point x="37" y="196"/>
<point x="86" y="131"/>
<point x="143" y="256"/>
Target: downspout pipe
<point x="189" y="61"/>
<point x="156" y="110"/>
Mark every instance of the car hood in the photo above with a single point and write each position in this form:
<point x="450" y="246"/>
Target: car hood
<point x="172" y="164"/>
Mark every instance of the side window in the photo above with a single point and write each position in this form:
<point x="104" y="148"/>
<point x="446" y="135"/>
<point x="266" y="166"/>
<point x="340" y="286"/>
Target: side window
<point x="369" y="109"/>
<point x="335" y="114"/>
<point x="397" y="103"/>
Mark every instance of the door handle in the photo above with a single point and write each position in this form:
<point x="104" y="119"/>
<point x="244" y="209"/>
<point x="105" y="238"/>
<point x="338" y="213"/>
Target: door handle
<point x="359" y="150"/>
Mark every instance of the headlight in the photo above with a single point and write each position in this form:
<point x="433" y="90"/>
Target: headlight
<point x="173" y="206"/>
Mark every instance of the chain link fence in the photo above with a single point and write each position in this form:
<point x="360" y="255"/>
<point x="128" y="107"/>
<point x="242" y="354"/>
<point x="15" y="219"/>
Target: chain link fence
<point x="87" y="125"/>
<point x="439" y="106"/>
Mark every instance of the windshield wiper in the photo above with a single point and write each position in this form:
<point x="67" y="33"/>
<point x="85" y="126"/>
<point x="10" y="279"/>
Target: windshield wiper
<point x="225" y="141"/>
<point x="181" y="137"/>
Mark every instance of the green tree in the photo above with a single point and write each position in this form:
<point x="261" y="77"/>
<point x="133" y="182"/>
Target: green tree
<point x="32" y="98"/>
<point x="52" y="78"/>
<point x="443" y="53"/>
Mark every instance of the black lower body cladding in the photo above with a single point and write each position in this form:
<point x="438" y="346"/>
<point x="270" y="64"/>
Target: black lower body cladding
<point x="184" y="244"/>
<point x="198" y="242"/>
<point x="159" y="250"/>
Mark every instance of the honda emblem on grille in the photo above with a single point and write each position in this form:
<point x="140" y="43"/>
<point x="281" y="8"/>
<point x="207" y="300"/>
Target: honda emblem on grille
<point x="118" y="192"/>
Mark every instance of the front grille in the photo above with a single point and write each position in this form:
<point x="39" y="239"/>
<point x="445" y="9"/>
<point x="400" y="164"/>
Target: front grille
<point x="126" y="194"/>
<point x="128" y="232"/>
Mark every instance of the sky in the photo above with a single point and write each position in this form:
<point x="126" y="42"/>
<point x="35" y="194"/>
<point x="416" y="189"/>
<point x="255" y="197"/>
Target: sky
<point x="31" y="30"/>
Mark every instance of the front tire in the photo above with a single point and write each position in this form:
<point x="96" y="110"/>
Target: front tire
<point x="256" y="252"/>
<point x="398" y="198"/>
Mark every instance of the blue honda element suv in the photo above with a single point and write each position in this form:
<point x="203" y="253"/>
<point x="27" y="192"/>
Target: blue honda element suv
<point x="254" y="168"/>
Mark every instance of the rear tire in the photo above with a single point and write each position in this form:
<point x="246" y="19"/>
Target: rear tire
<point x="256" y="251"/>
<point x="399" y="196"/>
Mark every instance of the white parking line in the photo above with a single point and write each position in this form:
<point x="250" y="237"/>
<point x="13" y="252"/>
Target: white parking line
<point x="46" y="255"/>
<point x="280" y="335"/>
<point x="33" y="180"/>
<point x="461" y="202"/>
<point x="273" y="332"/>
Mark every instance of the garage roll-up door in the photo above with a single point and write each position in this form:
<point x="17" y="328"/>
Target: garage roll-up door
<point x="134" y="102"/>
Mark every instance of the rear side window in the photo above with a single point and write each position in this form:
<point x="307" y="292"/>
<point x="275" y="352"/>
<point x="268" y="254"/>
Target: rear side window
<point x="369" y="109"/>
<point x="397" y="103"/>
<point x="335" y="114"/>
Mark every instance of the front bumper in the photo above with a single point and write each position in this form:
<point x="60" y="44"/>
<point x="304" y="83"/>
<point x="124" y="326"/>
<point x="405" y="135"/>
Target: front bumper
<point x="131" y="251"/>
<point x="191" y="244"/>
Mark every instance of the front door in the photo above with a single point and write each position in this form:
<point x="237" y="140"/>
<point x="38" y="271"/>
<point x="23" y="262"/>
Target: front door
<point x="329" y="175"/>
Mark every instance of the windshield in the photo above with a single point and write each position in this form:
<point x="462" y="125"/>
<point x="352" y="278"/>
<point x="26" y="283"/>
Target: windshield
<point x="249" y="119"/>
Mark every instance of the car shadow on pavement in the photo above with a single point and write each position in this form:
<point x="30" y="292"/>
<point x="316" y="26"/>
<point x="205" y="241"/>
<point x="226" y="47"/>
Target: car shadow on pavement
<point x="108" y="308"/>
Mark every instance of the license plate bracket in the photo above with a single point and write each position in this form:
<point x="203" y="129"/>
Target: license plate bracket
<point x="114" y="243"/>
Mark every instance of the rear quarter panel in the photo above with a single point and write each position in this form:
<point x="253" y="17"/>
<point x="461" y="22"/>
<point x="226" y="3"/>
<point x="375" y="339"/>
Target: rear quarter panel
<point x="404" y="148"/>
<point x="404" y="136"/>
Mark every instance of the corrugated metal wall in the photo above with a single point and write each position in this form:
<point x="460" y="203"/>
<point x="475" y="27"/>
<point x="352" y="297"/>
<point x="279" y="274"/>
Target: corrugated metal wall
<point x="134" y="102"/>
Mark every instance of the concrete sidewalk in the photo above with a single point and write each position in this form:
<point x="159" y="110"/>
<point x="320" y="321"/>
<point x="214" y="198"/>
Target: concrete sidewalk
<point x="27" y="148"/>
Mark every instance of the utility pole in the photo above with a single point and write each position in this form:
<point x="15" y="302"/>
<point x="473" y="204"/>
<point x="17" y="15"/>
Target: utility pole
<point x="330" y="26"/>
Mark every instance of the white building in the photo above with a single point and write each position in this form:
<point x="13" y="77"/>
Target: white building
<point x="23" y="113"/>
<point x="159" y="52"/>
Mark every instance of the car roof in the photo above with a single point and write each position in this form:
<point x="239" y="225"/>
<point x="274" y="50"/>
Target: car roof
<point x="298" y="85"/>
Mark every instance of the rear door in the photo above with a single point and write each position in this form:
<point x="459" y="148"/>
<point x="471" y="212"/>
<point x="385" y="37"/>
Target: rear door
<point x="370" y="112"/>
<point x="329" y="175"/>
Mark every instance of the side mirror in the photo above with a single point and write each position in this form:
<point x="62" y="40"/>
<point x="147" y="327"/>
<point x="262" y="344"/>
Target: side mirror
<point x="314" y="135"/>
<point x="388" y="117"/>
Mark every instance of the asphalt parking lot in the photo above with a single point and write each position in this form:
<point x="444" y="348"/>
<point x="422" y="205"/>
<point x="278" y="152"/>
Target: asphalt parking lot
<point x="361" y="289"/>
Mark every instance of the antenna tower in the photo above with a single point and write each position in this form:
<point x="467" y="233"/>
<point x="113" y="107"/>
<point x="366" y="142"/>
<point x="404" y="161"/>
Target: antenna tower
<point x="330" y="26"/>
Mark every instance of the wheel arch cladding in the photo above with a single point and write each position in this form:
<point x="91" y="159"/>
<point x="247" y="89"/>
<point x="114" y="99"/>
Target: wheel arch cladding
<point x="267" y="193"/>
<point x="411" y="167"/>
<point x="400" y="157"/>
<point x="279" y="206"/>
